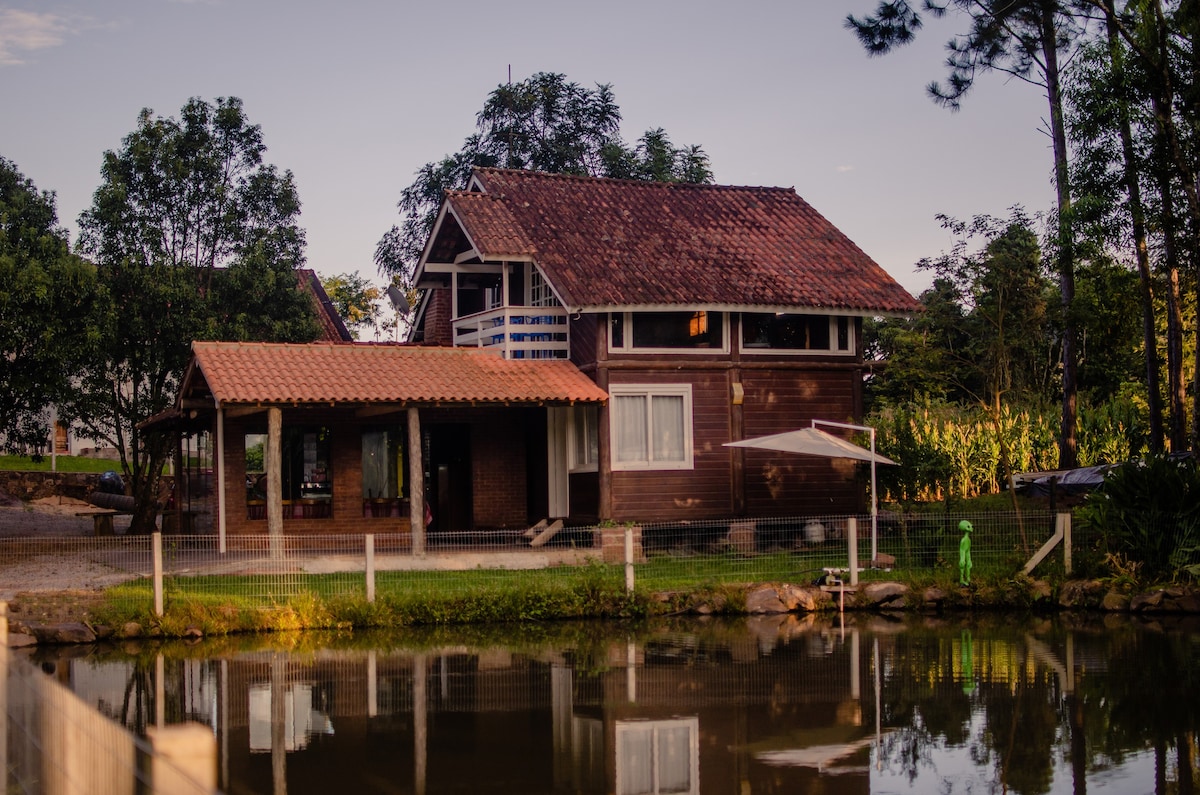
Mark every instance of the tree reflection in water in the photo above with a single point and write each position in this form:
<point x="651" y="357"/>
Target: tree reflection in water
<point x="764" y="705"/>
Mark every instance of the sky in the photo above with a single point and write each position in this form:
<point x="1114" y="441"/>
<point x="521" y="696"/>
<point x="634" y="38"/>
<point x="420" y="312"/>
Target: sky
<point x="354" y="97"/>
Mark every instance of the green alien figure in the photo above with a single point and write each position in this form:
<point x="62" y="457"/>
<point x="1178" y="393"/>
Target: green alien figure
<point x="964" y="553"/>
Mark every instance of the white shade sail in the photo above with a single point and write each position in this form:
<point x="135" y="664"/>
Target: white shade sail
<point x="811" y="441"/>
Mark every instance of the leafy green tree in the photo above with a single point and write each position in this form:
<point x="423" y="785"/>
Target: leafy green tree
<point x="1022" y="39"/>
<point x="543" y="123"/>
<point x="1131" y="101"/>
<point x="195" y="237"/>
<point x="355" y="299"/>
<point x="46" y="296"/>
<point x="918" y="358"/>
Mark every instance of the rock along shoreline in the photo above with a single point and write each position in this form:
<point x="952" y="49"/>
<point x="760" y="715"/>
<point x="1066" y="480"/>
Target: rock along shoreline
<point x="759" y="599"/>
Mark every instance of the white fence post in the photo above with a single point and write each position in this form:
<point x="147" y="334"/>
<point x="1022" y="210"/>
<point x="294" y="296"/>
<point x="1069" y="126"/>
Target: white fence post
<point x="629" y="558"/>
<point x="1065" y="520"/>
<point x="156" y="553"/>
<point x="370" y="540"/>
<point x="852" y="542"/>
<point x="4" y="692"/>
<point x="185" y="758"/>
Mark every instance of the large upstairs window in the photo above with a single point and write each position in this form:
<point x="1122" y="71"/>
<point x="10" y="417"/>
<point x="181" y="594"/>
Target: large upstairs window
<point x="763" y="332"/>
<point x="667" y="331"/>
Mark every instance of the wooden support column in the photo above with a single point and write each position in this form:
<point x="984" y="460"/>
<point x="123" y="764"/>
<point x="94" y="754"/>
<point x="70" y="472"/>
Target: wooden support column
<point x="274" y="462"/>
<point x="222" y="501"/>
<point x="603" y="438"/>
<point x="416" y="482"/>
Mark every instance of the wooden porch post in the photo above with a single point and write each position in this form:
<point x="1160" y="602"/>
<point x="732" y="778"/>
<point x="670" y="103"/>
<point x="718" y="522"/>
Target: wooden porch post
<point x="274" y="458"/>
<point x="222" y="502"/>
<point x="416" y="483"/>
<point x="604" y="509"/>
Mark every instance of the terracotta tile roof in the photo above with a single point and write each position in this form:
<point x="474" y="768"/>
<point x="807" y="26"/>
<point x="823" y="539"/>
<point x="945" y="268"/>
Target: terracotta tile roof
<point x="260" y="372"/>
<point x="492" y="228"/>
<point x="605" y="243"/>
<point x="333" y="328"/>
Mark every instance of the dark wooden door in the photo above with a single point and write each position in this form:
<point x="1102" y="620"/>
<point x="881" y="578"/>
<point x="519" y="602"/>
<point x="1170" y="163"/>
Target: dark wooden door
<point x="450" y="493"/>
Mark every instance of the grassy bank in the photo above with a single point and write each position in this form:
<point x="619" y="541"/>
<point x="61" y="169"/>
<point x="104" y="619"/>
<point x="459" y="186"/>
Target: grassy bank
<point x="467" y="598"/>
<point x="64" y="463"/>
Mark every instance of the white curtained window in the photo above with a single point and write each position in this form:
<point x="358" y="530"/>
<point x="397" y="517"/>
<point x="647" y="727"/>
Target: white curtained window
<point x="651" y="426"/>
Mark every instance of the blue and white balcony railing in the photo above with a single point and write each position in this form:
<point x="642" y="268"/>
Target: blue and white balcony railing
<point x="519" y="332"/>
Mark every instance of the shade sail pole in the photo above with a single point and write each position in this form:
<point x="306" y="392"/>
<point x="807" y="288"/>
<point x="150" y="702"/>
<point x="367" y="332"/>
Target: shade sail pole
<point x="874" y="499"/>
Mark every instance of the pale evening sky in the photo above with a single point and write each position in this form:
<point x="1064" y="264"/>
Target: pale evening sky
<point x="355" y="96"/>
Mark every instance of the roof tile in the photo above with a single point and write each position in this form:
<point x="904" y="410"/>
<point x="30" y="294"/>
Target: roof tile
<point x="249" y="372"/>
<point x="605" y="242"/>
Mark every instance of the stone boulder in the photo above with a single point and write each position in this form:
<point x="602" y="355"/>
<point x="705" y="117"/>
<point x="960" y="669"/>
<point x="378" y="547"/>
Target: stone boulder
<point x="66" y="632"/>
<point x="1081" y="594"/>
<point x="933" y="597"/>
<point x="1115" y="602"/>
<point x="798" y="598"/>
<point x="883" y="595"/>
<point x="764" y="599"/>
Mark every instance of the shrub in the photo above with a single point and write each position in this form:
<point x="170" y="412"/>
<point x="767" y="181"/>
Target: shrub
<point x="1149" y="511"/>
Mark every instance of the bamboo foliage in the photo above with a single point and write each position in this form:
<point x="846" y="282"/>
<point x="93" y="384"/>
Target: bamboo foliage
<point x="951" y="451"/>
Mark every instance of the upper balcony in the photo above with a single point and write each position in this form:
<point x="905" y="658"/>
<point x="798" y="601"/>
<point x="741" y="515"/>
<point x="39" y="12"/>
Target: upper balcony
<point x="518" y="332"/>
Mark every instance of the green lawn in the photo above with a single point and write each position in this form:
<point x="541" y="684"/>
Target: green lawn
<point x="65" y="463"/>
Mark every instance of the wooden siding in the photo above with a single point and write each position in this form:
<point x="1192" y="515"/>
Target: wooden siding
<point x="697" y="493"/>
<point x="779" y="484"/>
<point x="583" y="333"/>
<point x="776" y="399"/>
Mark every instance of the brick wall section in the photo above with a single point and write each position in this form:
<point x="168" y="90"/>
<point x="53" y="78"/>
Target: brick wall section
<point x="612" y="544"/>
<point x="437" y="319"/>
<point x="498" y="469"/>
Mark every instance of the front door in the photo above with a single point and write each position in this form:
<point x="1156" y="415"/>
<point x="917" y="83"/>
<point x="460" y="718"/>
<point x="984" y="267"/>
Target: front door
<point x="448" y="487"/>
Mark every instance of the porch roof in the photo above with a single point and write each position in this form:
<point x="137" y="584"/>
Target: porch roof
<point x="368" y="373"/>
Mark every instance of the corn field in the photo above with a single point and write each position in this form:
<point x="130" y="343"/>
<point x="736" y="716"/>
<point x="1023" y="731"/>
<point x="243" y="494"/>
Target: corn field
<point x="950" y="451"/>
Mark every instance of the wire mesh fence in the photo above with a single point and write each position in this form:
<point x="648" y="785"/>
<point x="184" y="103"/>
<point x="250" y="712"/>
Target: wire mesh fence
<point x="269" y="570"/>
<point x="54" y="742"/>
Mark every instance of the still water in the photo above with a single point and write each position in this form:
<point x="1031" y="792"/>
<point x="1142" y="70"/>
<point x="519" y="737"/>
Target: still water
<point x="767" y="705"/>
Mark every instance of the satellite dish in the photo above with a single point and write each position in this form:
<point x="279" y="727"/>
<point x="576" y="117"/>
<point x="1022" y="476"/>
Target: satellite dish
<point x="399" y="300"/>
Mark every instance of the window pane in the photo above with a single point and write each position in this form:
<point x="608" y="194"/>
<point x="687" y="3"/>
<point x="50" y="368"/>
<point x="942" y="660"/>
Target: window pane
<point x="674" y="760"/>
<point x="668" y="427"/>
<point x="586" y="444"/>
<point x="677" y="329"/>
<point x="629" y="414"/>
<point x="635" y="753"/>
<point x="791" y="332"/>
<point x="617" y="324"/>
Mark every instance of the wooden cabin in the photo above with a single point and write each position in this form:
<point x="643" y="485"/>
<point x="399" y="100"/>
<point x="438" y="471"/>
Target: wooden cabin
<point x="582" y="350"/>
<point x="708" y="314"/>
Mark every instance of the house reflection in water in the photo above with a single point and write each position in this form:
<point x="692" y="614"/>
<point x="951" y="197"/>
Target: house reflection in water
<point x="769" y="706"/>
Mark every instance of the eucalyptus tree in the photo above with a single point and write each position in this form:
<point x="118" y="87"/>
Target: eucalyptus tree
<point x="47" y="295"/>
<point x="544" y="123"/>
<point x="1163" y="41"/>
<point x="194" y="237"/>
<point x="1024" y="39"/>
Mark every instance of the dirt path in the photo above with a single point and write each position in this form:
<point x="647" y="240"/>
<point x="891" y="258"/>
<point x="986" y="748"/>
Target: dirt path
<point x="54" y="516"/>
<point x="51" y="518"/>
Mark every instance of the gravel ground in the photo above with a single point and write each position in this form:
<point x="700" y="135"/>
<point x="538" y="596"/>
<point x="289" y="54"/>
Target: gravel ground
<point x="47" y="519"/>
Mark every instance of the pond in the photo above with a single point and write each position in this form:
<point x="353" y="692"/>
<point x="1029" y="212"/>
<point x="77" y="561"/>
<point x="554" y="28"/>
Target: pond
<point x="864" y="704"/>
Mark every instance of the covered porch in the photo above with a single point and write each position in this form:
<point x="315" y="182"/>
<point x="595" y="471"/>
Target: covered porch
<point x="381" y="439"/>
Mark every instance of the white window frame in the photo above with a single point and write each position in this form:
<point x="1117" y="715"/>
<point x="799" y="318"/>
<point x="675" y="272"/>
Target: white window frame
<point x="851" y="341"/>
<point x="650" y="391"/>
<point x="628" y="347"/>
<point x="537" y="290"/>
<point x="589" y="416"/>
<point x="652" y="729"/>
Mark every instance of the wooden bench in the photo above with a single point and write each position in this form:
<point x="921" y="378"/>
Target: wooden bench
<point x="102" y="521"/>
